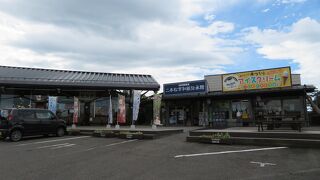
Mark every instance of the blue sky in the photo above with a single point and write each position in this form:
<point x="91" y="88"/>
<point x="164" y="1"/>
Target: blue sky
<point x="173" y="40"/>
<point x="266" y="15"/>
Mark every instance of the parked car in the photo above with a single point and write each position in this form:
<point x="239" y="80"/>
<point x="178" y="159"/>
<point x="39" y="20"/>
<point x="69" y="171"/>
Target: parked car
<point x="17" y="123"/>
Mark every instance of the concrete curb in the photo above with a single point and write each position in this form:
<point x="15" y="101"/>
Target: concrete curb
<point x="300" y="143"/>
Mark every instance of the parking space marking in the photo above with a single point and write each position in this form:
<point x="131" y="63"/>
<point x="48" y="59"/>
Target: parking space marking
<point x="261" y="164"/>
<point x="96" y="147"/>
<point x="123" y="142"/>
<point x="229" y="152"/>
<point x="112" y="144"/>
<point x="55" y="140"/>
<point x="41" y="147"/>
<point x="63" y="146"/>
<point x="56" y="146"/>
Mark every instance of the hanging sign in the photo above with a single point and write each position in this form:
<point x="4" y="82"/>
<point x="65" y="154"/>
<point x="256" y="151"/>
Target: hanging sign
<point x="261" y="79"/>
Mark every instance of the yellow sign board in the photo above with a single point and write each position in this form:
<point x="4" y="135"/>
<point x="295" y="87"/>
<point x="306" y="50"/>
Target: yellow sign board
<point x="261" y="79"/>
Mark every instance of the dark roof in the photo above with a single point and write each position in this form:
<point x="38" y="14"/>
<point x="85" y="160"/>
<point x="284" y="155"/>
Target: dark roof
<point x="26" y="77"/>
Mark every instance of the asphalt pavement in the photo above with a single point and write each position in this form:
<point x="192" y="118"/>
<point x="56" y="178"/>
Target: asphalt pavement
<point x="170" y="157"/>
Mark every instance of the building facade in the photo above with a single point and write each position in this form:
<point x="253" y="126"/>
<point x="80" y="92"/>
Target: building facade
<point x="22" y="87"/>
<point x="237" y="99"/>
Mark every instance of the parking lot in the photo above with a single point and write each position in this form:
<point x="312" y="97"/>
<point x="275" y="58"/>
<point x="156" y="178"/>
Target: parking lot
<point x="85" y="157"/>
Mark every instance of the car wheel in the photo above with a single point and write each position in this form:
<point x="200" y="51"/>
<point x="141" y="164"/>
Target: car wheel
<point x="16" y="135"/>
<point x="60" y="132"/>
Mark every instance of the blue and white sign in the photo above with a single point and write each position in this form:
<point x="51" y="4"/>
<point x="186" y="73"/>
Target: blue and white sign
<point x="185" y="87"/>
<point x="52" y="104"/>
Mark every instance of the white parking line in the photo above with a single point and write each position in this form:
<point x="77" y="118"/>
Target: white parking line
<point x="92" y="148"/>
<point x="41" y="147"/>
<point x="262" y="164"/>
<point x="59" y="147"/>
<point x="113" y="144"/>
<point x="229" y="152"/>
<point x="56" y="140"/>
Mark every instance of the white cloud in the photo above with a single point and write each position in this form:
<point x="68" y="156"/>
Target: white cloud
<point x="209" y="17"/>
<point x="266" y="10"/>
<point x="219" y="27"/>
<point x="299" y="43"/>
<point x="166" y="44"/>
<point x="292" y="1"/>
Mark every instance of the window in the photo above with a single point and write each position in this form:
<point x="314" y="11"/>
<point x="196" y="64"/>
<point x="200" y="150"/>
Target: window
<point x="26" y="114"/>
<point x="44" y="115"/>
<point x="219" y="110"/>
<point x="273" y="106"/>
<point x="242" y="107"/>
<point x="292" y="106"/>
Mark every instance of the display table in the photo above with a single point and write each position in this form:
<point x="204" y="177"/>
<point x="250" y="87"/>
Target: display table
<point x="274" y="121"/>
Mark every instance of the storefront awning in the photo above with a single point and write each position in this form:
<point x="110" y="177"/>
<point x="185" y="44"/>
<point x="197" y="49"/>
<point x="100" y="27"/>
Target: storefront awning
<point x="294" y="89"/>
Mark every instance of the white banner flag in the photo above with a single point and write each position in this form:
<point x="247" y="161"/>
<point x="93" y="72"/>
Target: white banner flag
<point x="76" y="110"/>
<point x="136" y="104"/>
<point x="110" y="111"/>
<point x="52" y="104"/>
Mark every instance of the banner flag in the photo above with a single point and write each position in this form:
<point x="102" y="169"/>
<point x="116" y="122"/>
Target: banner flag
<point x="156" y="109"/>
<point x="136" y="104"/>
<point x="52" y="104"/>
<point x="121" y="117"/>
<point x="110" y="111"/>
<point x="75" y="110"/>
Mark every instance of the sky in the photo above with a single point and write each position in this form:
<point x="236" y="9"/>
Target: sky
<point x="173" y="40"/>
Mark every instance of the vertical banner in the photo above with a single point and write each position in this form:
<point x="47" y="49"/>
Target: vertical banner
<point x="121" y="118"/>
<point x="110" y="115"/>
<point x="136" y="104"/>
<point x="156" y="109"/>
<point x="76" y="110"/>
<point x="52" y="104"/>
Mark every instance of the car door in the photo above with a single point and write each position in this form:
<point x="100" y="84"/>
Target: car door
<point x="29" y="122"/>
<point x="48" y="121"/>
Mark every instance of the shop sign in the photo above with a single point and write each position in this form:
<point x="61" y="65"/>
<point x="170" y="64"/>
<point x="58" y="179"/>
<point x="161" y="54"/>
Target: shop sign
<point x="260" y="79"/>
<point x="185" y="87"/>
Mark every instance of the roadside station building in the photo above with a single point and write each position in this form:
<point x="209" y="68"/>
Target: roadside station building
<point x="32" y="87"/>
<point x="236" y="99"/>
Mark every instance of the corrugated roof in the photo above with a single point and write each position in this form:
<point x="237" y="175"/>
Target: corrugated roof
<point x="22" y="76"/>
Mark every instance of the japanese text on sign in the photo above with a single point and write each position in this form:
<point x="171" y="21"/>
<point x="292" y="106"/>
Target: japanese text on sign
<point x="262" y="79"/>
<point x="185" y="87"/>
